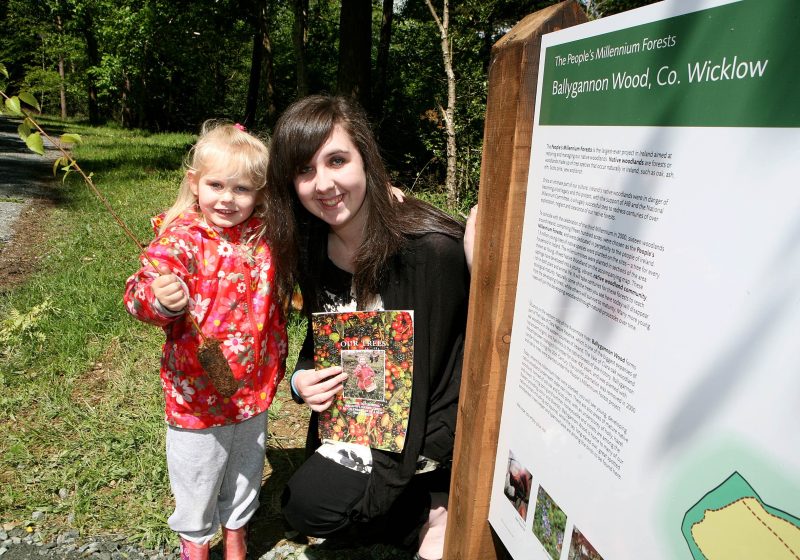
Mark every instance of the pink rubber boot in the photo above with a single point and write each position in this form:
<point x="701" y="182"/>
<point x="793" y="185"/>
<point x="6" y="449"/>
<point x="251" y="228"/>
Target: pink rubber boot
<point x="193" y="551"/>
<point x="234" y="543"/>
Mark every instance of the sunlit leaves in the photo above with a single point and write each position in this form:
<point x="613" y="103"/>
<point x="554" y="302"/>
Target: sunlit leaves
<point x="71" y="138"/>
<point x="13" y="106"/>
<point x="3" y="70"/>
<point x="60" y="161"/>
<point x="35" y="143"/>
<point x="29" y="99"/>
<point x="24" y="129"/>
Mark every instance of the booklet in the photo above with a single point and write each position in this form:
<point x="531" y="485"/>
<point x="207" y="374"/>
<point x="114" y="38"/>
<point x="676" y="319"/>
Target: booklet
<point x="376" y="350"/>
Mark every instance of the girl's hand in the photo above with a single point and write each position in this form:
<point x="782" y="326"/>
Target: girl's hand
<point x="169" y="290"/>
<point x="318" y="387"/>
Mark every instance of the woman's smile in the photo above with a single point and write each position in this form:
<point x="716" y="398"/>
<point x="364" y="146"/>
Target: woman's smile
<point x="331" y="202"/>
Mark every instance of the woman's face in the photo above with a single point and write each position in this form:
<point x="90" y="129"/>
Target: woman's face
<point x="333" y="184"/>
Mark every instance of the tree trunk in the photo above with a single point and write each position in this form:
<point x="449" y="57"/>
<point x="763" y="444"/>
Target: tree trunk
<point x="251" y="103"/>
<point x="355" y="50"/>
<point x="62" y="88"/>
<point x="126" y="115"/>
<point x="448" y="113"/>
<point x="300" y="40"/>
<point x="269" y="72"/>
<point x="382" y="63"/>
<point x="93" y="58"/>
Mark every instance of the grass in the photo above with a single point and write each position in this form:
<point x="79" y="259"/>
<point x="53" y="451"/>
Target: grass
<point x="81" y="410"/>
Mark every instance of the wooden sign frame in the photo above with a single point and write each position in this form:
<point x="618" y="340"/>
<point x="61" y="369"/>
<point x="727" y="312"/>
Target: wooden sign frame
<point x="513" y="74"/>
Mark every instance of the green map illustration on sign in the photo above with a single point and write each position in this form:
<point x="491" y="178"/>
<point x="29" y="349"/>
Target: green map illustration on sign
<point x="732" y="521"/>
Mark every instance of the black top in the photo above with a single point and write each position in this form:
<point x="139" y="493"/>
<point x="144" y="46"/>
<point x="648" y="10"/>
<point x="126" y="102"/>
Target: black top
<point x="430" y="277"/>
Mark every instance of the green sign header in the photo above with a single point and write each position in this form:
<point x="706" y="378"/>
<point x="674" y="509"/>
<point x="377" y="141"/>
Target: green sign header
<point x="732" y="65"/>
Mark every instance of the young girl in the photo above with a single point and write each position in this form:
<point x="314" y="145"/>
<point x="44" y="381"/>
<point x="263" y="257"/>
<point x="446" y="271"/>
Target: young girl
<point x="365" y="375"/>
<point x="362" y="249"/>
<point x="217" y="264"/>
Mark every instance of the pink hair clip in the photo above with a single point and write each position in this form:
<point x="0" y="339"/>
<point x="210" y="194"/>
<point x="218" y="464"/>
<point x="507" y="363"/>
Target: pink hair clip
<point x="240" y="126"/>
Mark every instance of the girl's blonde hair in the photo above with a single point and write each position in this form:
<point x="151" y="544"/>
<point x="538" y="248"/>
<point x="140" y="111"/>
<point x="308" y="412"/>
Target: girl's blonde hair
<point x="245" y="154"/>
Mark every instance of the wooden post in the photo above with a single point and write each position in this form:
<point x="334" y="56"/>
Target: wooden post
<point x="504" y="176"/>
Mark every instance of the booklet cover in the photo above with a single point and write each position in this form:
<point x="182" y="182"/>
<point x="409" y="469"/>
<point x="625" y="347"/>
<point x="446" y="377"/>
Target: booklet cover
<point x="376" y="350"/>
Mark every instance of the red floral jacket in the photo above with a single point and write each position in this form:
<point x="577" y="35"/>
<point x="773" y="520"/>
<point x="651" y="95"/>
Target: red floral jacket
<point x="231" y="298"/>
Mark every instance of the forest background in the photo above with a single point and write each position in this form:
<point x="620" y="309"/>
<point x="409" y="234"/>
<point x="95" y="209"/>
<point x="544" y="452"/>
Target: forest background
<point x="418" y="67"/>
<point x="80" y="411"/>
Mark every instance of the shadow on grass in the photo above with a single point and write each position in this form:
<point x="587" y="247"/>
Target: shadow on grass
<point x="159" y="158"/>
<point x="267" y="527"/>
<point x="268" y="530"/>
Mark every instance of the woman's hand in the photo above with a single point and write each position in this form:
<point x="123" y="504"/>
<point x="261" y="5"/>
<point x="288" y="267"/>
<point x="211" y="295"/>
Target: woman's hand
<point x="169" y="290"/>
<point x="318" y="387"/>
<point x="469" y="236"/>
<point x="397" y="193"/>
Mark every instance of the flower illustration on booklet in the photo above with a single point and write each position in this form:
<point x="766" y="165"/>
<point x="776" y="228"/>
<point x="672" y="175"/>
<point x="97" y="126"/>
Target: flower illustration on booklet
<point x="376" y="350"/>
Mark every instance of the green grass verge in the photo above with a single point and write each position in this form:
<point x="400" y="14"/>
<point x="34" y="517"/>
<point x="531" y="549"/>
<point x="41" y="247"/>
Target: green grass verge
<point x="81" y="411"/>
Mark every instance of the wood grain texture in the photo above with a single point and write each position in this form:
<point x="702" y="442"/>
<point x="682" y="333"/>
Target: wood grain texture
<point x="501" y="198"/>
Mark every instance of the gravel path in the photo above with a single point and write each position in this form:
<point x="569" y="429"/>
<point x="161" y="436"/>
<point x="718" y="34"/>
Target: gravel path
<point x="24" y="543"/>
<point x="24" y="176"/>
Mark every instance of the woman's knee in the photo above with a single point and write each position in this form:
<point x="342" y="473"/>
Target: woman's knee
<point x="318" y="503"/>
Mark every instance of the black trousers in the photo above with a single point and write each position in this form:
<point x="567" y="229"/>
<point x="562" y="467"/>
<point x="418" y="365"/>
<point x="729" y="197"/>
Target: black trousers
<point x="319" y="501"/>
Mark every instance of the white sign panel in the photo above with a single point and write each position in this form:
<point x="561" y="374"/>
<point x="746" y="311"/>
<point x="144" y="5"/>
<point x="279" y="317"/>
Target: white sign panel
<point x="652" y="405"/>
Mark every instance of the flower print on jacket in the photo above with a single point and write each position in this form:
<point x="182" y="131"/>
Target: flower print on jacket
<point x="199" y="306"/>
<point x="249" y="323"/>
<point x="245" y="413"/>
<point x="235" y="343"/>
<point x="182" y="391"/>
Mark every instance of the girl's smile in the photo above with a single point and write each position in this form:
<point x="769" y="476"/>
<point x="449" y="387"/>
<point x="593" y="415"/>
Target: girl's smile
<point x="224" y="198"/>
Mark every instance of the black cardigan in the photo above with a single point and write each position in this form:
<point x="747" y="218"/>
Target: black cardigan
<point x="429" y="276"/>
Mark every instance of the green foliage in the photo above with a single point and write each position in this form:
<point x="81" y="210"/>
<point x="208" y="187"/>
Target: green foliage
<point x="35" y="143"/>
<point x="44" y="81"/>
<point x="160" y="65"/>
<point x="13" y="107"/>
<point x="602" y="8"/>
<point x="18" y="328"/>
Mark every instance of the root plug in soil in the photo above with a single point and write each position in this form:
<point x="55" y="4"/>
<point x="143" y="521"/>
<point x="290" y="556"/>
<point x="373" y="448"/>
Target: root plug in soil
<point x="216" y="366"/>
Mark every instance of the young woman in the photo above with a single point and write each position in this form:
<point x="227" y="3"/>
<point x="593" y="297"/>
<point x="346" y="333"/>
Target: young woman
<point x="362" y="249"/>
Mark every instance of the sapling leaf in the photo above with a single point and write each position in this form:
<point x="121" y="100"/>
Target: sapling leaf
<point x="71" y="138"/>
<point x="13" y="106"/>
<point x="28" y="98"/>
<point x="28" y="122"/>
<point x="66" y="172"/>
<point x="60" y="161"/>
<point x="35" y="143"/>
<point x="24" y="129"/>
<point x="3" y="70"/>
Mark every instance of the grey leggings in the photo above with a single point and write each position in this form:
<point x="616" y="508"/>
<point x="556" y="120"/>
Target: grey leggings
<point x="215" y="475"/>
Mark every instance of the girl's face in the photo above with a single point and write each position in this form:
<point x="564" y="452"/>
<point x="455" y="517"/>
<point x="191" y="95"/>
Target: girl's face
<point x="333" y="184"/>
<point x="226" y="200"/>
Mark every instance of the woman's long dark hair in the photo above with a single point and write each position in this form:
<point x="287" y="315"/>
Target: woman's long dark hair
<point x="298" y="134"/>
